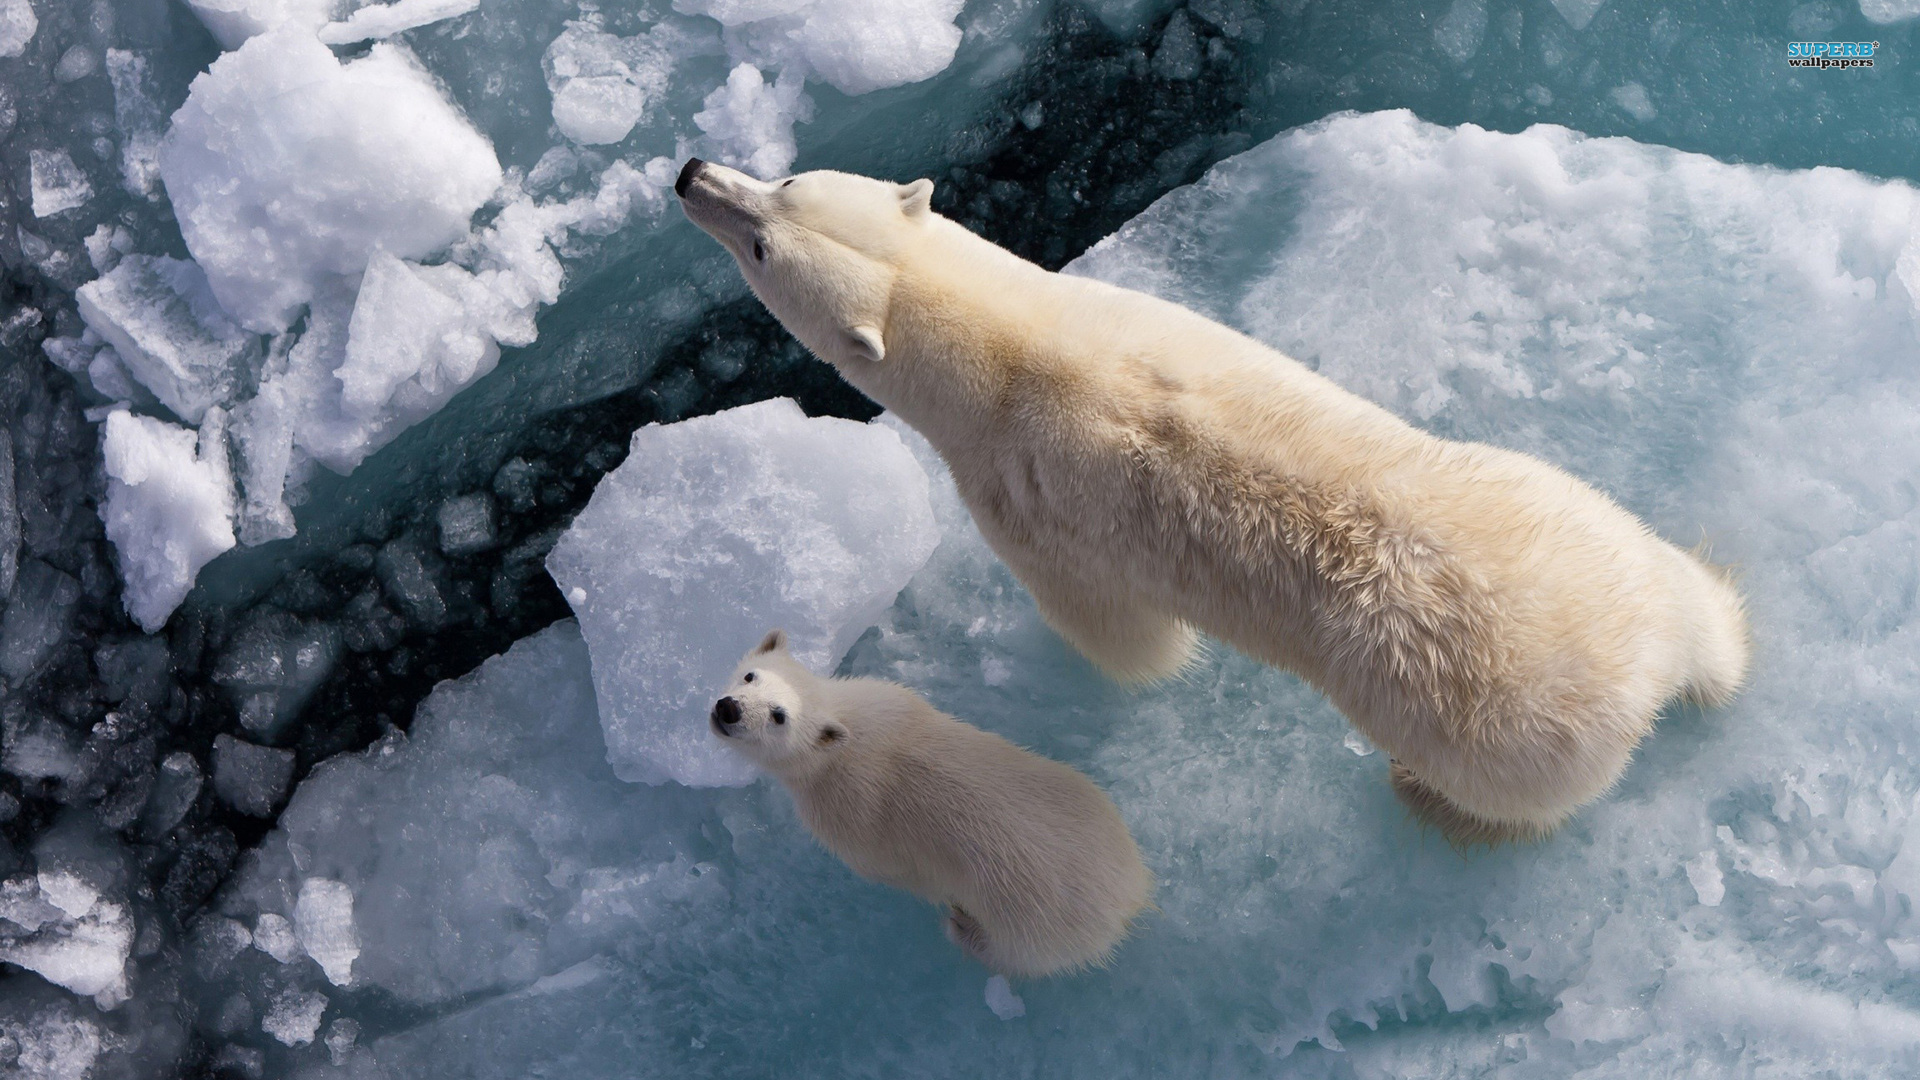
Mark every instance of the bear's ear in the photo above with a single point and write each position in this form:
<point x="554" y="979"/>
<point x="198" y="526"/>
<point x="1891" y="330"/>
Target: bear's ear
<point x="916" y="198"/>
<point x="829" y="735"/>
<point x="775" y="639"/>
<point x="865" y="343"/>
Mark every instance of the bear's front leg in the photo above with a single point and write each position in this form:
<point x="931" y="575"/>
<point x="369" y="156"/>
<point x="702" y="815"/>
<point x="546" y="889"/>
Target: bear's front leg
<point x="1131" y="643"/>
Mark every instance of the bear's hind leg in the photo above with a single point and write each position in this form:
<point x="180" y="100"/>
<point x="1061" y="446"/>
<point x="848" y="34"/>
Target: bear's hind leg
<point x="1461" y="828"/>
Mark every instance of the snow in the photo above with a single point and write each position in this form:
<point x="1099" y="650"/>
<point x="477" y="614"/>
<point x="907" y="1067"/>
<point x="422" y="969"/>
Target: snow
<point x="168" y="510"/>
<point x="287" y="167"/>
<point x="169" y="332"/>
<point x="712" y="532"/>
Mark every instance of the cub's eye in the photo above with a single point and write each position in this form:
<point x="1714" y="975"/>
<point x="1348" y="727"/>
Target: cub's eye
<point x="789" y="183"/>
<point x="759" y="251"/>
<point x="748" y="677"/>
<point x="778" y="715"/>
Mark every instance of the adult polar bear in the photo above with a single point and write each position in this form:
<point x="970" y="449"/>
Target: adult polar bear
<point x="1507" y="633"/>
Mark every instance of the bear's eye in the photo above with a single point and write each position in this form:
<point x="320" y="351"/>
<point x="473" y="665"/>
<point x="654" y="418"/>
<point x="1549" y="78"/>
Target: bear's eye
<point x="759" y="251"/>
<point x="789" y="183"/>
<point x="748" y="677"/>
<point x="778" y="715"/>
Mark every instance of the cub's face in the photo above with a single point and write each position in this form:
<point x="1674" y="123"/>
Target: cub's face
<point x="819" y="249"/>
<point x="765" y="713"/>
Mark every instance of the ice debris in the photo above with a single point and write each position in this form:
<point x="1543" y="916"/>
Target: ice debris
<point x="715" y="530"/>
<point x="386" y="20"/>
<point x="248" y="777"/>
<point x="56" y="183"/>
<point x="17" y="26"/>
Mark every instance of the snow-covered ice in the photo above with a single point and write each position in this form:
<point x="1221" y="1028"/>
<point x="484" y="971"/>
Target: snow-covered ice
<point x="715" y="530"/>
<point x="17" y="26"/>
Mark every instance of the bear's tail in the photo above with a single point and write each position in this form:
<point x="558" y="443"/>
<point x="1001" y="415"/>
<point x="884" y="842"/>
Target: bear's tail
<point x="1721" y="645"/>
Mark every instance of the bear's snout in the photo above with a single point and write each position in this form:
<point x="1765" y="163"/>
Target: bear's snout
<point x="726" y="713"/>
<point x="687" y="172"/>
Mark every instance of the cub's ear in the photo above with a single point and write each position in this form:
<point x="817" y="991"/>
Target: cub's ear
<point x="775" y="639"/>
<point x="865" y="342"/>
<point x="916" y="198"/>
<point x="829" y="735"/>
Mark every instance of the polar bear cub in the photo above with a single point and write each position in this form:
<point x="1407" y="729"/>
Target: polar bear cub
<point x="1507" y="633"/>
<point x="1035" y="866"/>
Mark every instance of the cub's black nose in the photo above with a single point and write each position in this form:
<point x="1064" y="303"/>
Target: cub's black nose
<point x="726" y="712"/>
<point x="687" y="172"/>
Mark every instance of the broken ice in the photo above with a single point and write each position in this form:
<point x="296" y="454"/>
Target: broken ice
<point x="712" y="532"/>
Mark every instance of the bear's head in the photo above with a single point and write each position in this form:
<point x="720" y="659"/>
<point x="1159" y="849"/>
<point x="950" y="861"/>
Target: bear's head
<point x="819" y="249"/>
<point x="769" y="715"/>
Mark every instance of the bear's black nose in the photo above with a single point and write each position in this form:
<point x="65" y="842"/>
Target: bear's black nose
<point x="726" y="712"/>
<point x="687" y="172"/>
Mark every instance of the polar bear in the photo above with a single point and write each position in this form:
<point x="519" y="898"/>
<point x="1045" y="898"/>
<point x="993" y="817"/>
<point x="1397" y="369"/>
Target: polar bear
<point x="1035" y="866"/>
<point x="1507" y="633"/>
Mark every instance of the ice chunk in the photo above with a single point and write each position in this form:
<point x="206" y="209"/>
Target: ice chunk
<point x="1578" y="13"/>
<point x="295" y="1016"/>
<point x="273" y="935"/>
<point x="411" y="344"/>
<point x="169" y="331"/>
<point x="286" y="166"/>
<point x="486" y="848"/>
<point x="250" y="778"/>
<point x="37" y="618"/>
<point x="386" y="20"/>
<point x="17" y="26"/>
<point x="272" y="666"/>
<point x="466" y="523"/>
<point x="169" y="509"/>
<point x="323" y="918"/>
<point x="140" y="119"/>
<point x="1886" y="11"/>
<point x="856" y="45"/>
<point x="175" y="788"/>
<point x="57" y="183"/>
<point x="602" y="83"/>
<point x="51" y="1042"/>
<point x="9" y="521"/>
<point x="715" y="530"/>
<point x="1003" y="1001"/>
<point x="39" y="748"/>
<point x="232" y="22"/>
<point x="61" y="927"/>
<point x="749" y="122"/>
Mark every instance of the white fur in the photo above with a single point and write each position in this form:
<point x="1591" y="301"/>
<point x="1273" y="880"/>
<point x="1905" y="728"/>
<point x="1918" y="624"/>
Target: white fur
<point x="1038" y="870"/>
<point x="1505" y="631"/>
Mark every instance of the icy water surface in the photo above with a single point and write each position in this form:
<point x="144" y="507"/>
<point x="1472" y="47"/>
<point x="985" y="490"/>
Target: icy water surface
<point x="340" y="408"/>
